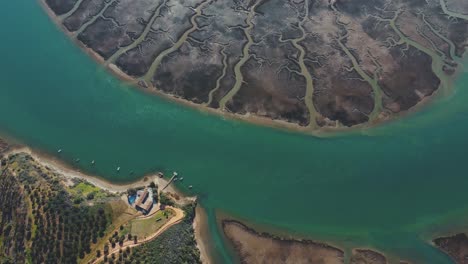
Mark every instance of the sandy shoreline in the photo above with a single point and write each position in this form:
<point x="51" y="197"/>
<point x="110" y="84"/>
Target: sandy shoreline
<point x="70" y="173"/>
<point x="201" y="233"/>
<point x="67" y="171"/>
<point x="199" y="223"/>
<point x="325" y="131"/>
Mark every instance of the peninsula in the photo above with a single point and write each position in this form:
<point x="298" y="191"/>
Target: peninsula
<point x="50" y="214"/>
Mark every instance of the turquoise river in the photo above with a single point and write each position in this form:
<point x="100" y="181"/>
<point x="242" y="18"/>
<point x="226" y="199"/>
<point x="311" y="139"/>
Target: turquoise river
<point x="392" y="188"/>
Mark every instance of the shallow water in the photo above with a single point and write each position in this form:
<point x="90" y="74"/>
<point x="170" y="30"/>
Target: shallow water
<point x="390" y="187"/>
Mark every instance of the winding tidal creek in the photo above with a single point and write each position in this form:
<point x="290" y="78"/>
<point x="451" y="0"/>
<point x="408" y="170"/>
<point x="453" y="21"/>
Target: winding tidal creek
<point x="392" y="188"/>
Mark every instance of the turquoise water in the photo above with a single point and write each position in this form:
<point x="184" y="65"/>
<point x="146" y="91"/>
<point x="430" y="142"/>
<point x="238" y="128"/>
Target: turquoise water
<point x="131" y="199"/>
<point x="390" y="187"/>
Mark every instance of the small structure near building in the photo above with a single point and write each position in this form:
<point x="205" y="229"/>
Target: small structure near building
<point x="144" y="200"/>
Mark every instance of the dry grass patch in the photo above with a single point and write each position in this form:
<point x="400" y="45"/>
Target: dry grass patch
<point x="147" y="226"/>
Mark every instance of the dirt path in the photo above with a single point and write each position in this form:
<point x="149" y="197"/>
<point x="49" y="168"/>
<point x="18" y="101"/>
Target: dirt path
<point x="177" y="218"/>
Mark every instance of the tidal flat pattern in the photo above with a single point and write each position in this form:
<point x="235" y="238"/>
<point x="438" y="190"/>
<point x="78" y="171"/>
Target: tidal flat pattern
<point x="314" y="63"/>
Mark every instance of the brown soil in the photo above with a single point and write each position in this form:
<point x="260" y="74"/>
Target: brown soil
<point x="3" y="146"/>
<point x="455" y="246"/>
<point x="253" y="247"/>
<point x="366" y="256"/>
<point x="273" y="88"/>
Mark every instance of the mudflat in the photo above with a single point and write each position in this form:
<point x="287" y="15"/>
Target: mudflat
<point x="312" y="64"/>
<point x="366" y="256"/>
<point x="456" y="246"/>
<point x="253" y="247"/>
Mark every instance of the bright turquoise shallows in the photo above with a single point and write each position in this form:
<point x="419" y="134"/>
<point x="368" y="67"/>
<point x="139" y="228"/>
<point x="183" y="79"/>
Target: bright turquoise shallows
<point x="389" y="188"/>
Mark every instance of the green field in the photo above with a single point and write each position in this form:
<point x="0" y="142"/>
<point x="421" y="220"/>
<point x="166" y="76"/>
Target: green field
<point x="145" y="227"/>
<point x="85" y="189"/>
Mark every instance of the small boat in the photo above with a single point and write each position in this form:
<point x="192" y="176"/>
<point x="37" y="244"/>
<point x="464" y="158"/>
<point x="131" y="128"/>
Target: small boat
<point x="59" y="151"/>
<point x="118" y="168"/>
<point x="77" y="160"/>
<point x="181" y="178"/>
<point x="92" y="162"/>
<point x="190" y="187"/>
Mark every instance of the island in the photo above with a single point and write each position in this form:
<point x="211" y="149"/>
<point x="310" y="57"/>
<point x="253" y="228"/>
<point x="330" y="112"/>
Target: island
<point x="308" y="64"/>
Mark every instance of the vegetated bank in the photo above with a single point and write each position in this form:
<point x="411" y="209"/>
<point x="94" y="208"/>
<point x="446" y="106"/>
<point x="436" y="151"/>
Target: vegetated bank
<point x="176" y="245"/>
<point x="47" y="217"/>
<point x="249" y="64"/>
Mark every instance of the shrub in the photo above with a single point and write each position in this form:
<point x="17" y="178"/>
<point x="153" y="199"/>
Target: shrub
<point x="90" y="196"/>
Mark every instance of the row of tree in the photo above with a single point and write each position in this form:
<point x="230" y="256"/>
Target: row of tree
<point x="176" y="245"/>
<point x="39" y="221"/>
